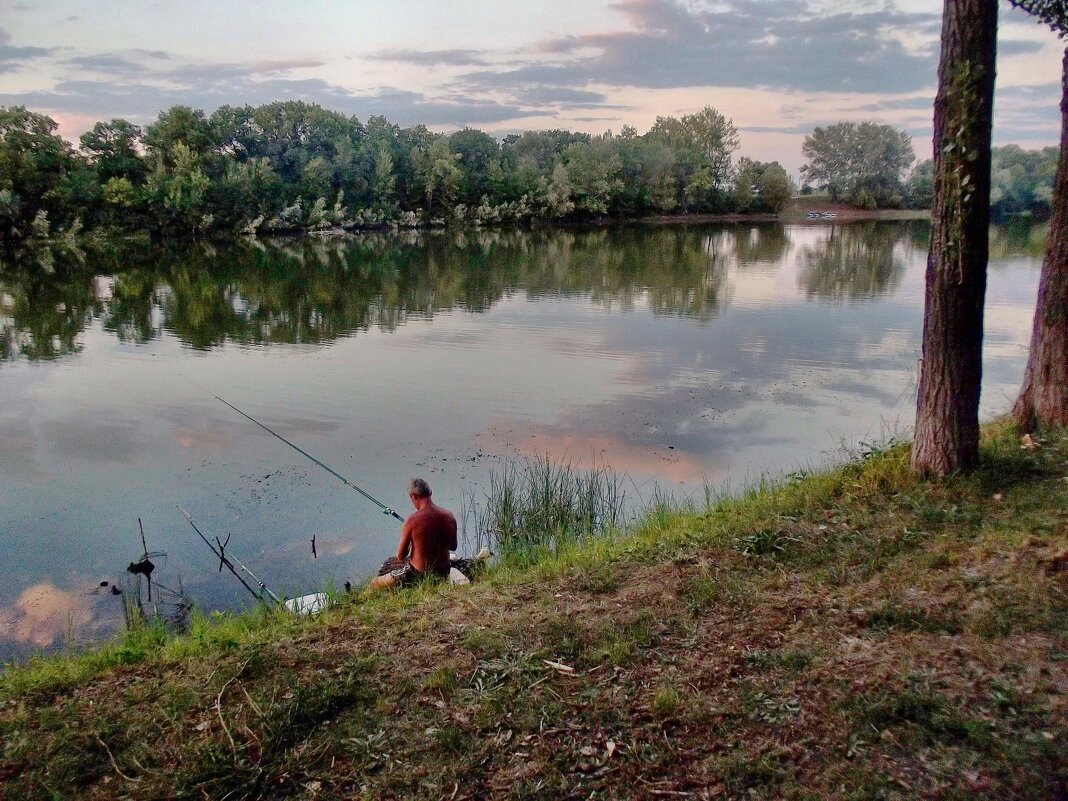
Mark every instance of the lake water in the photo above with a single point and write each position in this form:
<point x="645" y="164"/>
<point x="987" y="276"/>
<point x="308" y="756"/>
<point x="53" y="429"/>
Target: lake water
<point x="680" y="355"/>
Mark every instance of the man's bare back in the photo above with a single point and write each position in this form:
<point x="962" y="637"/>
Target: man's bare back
<point x="427" y="537"/>
<point x="429" y="533"/>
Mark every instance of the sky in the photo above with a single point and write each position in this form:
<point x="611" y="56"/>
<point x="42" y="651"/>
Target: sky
<point x="776" y="68"/>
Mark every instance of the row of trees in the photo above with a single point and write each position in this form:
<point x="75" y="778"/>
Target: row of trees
<point x="1021" y="182"/>
<point x="294" y="165"/>
<point x="863" y="164"/>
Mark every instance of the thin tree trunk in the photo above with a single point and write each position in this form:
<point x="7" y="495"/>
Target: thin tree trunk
<point x="947" y="408"/>
<point x="1043" y="399"/>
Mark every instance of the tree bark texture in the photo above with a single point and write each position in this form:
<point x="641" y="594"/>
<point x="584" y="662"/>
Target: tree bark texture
<point x="947" y="408"/>
<point x="1043" y="399"/>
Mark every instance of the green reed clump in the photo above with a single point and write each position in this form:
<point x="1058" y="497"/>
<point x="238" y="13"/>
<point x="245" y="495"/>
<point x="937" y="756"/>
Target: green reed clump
<point x="535" y="504"/>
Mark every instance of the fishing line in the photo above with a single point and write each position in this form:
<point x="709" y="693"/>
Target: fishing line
<point x="385" y="509"/>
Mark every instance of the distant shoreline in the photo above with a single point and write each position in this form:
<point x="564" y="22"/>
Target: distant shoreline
<point x="795" y="214"/>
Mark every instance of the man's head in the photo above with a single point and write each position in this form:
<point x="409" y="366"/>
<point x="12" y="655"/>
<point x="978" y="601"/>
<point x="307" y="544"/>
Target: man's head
<point x="418" y="489"/>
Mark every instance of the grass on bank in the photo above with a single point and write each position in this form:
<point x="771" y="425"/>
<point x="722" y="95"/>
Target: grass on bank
<point x="850" y="634"/>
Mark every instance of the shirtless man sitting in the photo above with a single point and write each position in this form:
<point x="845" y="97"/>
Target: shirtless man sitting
<point x="427" y="536"/>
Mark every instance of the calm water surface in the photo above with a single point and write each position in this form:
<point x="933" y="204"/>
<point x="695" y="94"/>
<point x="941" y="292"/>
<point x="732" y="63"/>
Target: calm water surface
<point x="682" y="356"/>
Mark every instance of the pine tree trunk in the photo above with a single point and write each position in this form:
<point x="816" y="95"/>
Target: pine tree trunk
<point x="1043" y="399"/>
<point x="947" y="409"/>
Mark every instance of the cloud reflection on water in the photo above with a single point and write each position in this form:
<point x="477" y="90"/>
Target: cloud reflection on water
<point x="43" y="615"/>
<point x="589" y="449"/>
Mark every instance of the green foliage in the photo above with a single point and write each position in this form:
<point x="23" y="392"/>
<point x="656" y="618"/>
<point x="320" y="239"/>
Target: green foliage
<point x="666" y="702"/>
<point x="1021" y="181"/>
<point x="179" y="125"/>
<point x="707" y="139"/>
<point x="293" y="166"/>
<point x="920" y="187"/>
<point x="438" y="174"/>
<point x="761" y="187"/>
<point x="859" y="162"/>
<point x="479" y="163"/>
<point x="112" y="148"/>
<point x="36" y="171"/>
<point x="594" y="172"/>
<point x="909" y="619"/>
<point x="537" y="504"/>
<point x="178" y="188"/>
<point x="1052" y="12"/>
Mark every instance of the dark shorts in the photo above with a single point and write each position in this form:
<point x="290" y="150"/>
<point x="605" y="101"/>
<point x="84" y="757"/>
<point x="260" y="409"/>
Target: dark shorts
<point x="403" y="574"/>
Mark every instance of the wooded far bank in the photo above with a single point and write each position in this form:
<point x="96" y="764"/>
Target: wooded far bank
<point x="293" y="166"/>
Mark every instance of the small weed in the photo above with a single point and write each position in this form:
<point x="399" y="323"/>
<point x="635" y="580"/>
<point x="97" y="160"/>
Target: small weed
<point x="370" y="750"/>
<point x="910" y="619"/>
<point x="642" y="630"/>
<point x="494" y="674"/>
<point x="867" y="450"/>
<point x="176" y="702"/>
<point x="772" y="709"/>
<point x="454" y="739"/>
<point x="443" y="679"/>
<point x="666" y="702"/>
<point x="482" y="641"/>
<point x="1006" y="699"/>
<point x="773" y="542"/>
<point x="564" y="638"/>
<point x="792" y="660"/>
<point x="939" y="561"/>
<point x="608" y="647"/>
<point x="597" y="579"/>
<point x="1016" y="608"/>
<point x="702" y="592"/>
<point x="856" y="746"/>
<point x="928" y="714"/>
<point x="745" y="775"/>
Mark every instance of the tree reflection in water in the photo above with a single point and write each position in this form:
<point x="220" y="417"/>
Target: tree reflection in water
<point x="856" y="261"/>
<point x="760" y="247"/>
<point x="315" y="291"/>
<point x="318" y="290"/>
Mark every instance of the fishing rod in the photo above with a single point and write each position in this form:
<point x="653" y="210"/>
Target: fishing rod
<point x="225" y="561"/>
<point x="385" y="509"/>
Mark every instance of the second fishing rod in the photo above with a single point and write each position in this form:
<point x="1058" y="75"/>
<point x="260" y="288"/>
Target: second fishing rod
<point x="385" y="509"/>
<point x="231" y="562"/>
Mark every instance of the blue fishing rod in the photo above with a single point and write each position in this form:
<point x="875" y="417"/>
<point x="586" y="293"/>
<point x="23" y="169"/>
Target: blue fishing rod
<point x="385" y="509"/>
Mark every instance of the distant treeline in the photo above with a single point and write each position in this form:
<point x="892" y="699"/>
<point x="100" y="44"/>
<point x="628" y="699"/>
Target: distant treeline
<point x="293" y="166"/>
<point x="1021" y="182"/>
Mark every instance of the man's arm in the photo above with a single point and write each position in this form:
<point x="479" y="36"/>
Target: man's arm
<point x="452" y="525"/>
<point x="405" y="543"/>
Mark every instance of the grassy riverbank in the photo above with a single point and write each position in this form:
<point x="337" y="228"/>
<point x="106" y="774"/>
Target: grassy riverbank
<point x="852" y="634"/>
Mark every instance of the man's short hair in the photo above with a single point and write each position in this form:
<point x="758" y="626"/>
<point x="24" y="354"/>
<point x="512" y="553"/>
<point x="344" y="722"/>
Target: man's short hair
<point x="419" y="488"/>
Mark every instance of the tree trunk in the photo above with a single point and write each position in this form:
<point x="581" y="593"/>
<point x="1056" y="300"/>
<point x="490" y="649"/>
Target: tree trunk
<point x="1043" y="399"/>
<point x="947" y="408"/>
